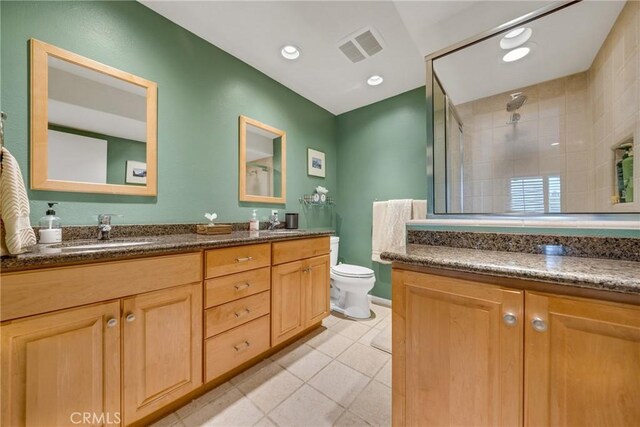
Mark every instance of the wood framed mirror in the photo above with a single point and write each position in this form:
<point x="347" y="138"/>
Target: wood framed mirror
<point x="93" y="127"/>
<point x="263" y="162"/>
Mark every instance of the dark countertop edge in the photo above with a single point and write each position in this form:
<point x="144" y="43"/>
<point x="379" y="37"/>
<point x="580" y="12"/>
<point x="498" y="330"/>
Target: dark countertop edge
<point x="558" y="279"/>
<point x="37" y="262"/>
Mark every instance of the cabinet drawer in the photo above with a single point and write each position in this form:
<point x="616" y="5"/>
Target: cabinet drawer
<point x="229" y="288"/>
<point x="232" y="348"/>
<point x="33" y="292"/>
<point x="236" y="313"/>
<point x="293" y="250"/>
<point x="236" y="259"/>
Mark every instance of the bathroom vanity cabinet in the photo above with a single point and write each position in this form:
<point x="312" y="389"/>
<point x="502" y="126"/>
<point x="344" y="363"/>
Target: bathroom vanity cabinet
<point x="129" y="340"/>
<point x="586" y="363"/>
<point x="468" y="351"/>
<point x="57" y="364"/>
<point x="238" y="297"/>
<point x="161" y="348"/>
<point x="71" y="361"/>
<point x="300" y="286"/>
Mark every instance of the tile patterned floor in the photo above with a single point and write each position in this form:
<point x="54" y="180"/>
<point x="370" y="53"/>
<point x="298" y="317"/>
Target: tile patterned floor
<point x="332" y="377"/>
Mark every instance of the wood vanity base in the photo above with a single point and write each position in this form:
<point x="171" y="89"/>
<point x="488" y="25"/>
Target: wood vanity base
<point x="472" y="349"/>
<point x="135" y="339"/>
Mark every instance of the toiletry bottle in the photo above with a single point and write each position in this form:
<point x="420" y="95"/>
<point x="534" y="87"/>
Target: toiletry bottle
<point x="254" y="224"/>
<point x="50" y="227"/>
<point x="627" y="175"/>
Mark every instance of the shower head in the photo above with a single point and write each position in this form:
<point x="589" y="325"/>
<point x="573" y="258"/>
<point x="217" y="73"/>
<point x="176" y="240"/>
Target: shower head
<point x="518" y="99"/>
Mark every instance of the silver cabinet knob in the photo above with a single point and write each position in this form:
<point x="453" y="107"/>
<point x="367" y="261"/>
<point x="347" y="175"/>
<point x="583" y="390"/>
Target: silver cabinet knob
<point x="538" y="324"/>
<point x="510" y="319"/>
<point x="112" y="322"/>
<point x="130" y="317"/>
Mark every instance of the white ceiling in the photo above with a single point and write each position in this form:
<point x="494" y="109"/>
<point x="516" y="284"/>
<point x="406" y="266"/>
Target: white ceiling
<point x="558" y="49"/>
<point x="255" y="31"/>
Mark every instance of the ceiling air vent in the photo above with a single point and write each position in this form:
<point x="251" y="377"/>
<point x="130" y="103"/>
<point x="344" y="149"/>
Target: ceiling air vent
<point x="361" y="45"/>
<point x="352" y="52"/>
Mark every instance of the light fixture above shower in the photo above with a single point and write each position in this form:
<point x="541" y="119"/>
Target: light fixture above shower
<point x="515" y="38"/>
<point x="516" y="54"/>
<point x="513" y="41"/>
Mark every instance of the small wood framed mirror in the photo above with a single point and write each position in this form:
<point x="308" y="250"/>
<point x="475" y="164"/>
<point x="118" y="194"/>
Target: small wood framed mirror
<point x="263" y="162"/>
<point x="93" y="127"/>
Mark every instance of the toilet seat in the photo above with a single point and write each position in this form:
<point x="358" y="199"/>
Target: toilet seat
<point x="353" y="271"/>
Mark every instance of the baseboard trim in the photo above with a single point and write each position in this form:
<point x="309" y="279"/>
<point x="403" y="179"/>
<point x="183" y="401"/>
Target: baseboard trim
<point x="380" y="301"/>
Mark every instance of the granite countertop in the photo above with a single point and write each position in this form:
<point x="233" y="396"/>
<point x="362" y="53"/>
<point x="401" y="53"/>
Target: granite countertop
<point x="594" y="273"/>
<point x="58" y="254"/>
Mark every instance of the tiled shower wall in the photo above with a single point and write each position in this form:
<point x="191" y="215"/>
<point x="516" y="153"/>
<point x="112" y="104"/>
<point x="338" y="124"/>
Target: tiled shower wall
<point x="567" y="129"/>
<point x="551" y="138"/>
<point x="614" y="82"/>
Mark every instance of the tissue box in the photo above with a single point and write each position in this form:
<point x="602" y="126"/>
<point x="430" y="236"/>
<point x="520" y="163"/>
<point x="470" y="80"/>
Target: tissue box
<point x="214" y="229"/>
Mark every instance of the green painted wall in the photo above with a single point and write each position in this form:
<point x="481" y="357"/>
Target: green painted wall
<point x="381" y="155"/>
<point x="119" y="151"/>
<point x="201" y="92"/>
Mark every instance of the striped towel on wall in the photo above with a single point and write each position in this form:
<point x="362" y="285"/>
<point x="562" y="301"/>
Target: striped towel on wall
<point x="17" y="234"/>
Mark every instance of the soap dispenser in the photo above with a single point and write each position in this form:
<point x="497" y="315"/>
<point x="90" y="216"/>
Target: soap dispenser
<point x="254" y="224"/>
<point x="50" y="226"/>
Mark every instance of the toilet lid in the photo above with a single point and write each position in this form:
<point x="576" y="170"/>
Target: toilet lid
<point x="348" y="270"/>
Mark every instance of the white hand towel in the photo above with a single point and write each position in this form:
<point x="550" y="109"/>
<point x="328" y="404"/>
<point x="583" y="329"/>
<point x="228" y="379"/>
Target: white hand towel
<point x="379" y="214"/>
<point x="390" y="234"/>
<point x="419" y="209"/>
<point x="17" y="234"/>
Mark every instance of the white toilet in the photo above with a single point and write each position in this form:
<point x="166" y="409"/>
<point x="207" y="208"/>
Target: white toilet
<point x="350" y="285"/>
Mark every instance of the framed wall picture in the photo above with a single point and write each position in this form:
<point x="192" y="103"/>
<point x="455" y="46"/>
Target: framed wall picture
<point x="315" y="163"/>
<point x="136" y="172"/>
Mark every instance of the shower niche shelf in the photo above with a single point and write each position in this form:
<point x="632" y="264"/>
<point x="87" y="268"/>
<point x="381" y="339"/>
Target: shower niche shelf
<point x="623" y="169"/>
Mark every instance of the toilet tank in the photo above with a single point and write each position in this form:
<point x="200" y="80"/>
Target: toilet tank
<point x="335" y="242"/>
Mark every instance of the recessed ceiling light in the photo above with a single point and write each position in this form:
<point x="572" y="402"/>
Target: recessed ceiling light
<point x="514" y="33"/>
<point x="555" y="143"/>
<point x="516" y="38"/>
<point x="374" y="80"/>
<point x="515" y="54"/>
<point x="290" y="52"/>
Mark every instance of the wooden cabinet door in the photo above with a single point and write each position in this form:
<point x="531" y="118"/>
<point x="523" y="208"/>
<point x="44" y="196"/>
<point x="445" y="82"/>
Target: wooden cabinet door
<point x="582" y="363"/>
<point x="162" y="334"/>
<point x="455" y="360"/>
<point x="58" y="367"/>
<point x="287" y="301"/>
<point x="317" y="289"/>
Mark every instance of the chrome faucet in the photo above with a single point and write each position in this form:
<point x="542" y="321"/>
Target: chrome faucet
<point x="104" y="226"/>
<point x="273" y="221"/>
